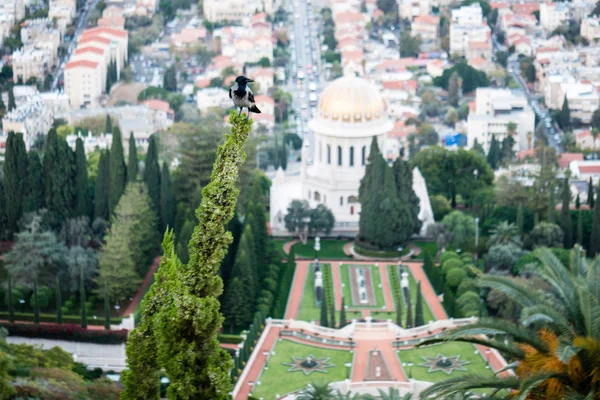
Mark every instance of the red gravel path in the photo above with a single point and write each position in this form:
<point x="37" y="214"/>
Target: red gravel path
<point x="257" y="365"/>
<point x="295" y="297"/>
<point x="140" y="293"/>
<point x="428" y="293"/>
<point x="287" y="247"/>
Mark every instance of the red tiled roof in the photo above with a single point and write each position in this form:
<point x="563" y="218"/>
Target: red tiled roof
<point x="528" y="8"/>
<point x="400" y="85"/>
<point x="159" y="105"/>
<point x="99" y="39"/>
<point x="589" y="169"/>
<point x="348" y="16"/>
<point x="202" y="83"/>
<point x="112" y="31"/>
<point x="498" y="5"/>
<point x="565" y="159"/>
<point x="525" y="153"/>
<point x="426" y="19"/>
<point x="89" y="49"/>
<point x="583" y="134"/>
<point x="264" y="99"/>
<point x="81" y="64"/>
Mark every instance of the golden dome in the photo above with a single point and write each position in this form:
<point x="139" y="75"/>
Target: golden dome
<point x="351" y="100"/>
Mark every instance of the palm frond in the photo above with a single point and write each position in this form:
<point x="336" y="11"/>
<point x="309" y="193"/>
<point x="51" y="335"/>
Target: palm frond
<point x="546" y="314"/>
<point x="593" y="277"/>
<point x="531" y="384"/>
<point x="464" y="383"/>
<point x="517" y="292"/>
<point x="577" y="262"/>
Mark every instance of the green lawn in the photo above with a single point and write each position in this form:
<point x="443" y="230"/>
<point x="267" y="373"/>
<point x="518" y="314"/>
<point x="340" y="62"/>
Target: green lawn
<point x="347" y="292"/>
<point x="330" y="249"/>
<point x="466" y="352"/>
<point x="431" y="246"/>
<point x="383" y="315"/>
<point x="308" y="306"/>
<point x="278" y="245"/>
<point x="277" y="381"/>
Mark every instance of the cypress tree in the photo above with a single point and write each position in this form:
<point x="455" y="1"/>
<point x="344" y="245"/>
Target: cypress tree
<point x="83" y="202"/>
<point x="551" y="206"/>
<point x="11" y="304"/>
<point x="108" y="128"/>
<point x="106" y="310"/>
<point x="577" y="202"/>
<point x="3" y="223"/>
<point x="332" y="315"/>
<point x="152" y="172"/>
<point x="11" y="99"/>
<point x="565" y="217"/>
<point x="59" y="318"/>
<point x="365" y="191"/>
<point x="419" y="317"/>
<point x="564" y="117"/>
<point x="343" y="320"/>
<point x="34" y="192"/>
<point x="520" y="219"/>
<point x="15" y="176"/>
<point x="409" y="313"/>
<point x="493" y="157"/>
<point x="132" y="164"/>
<point x="59" y="166"/>
<point x="579" y="229"/>
<point x="399" y="306"/>
<point x="82" y="299"/>
<point x="2" y="106"/>
<point x="165" y="333"/>
<point x="117" y="171"/>
<point x="595" y="238"/>
<point x="36" y="306"/>
<point x="323" y="320"/>
<point x="409" y="204"/>
<point x="102" y="187"/>
<point x="590" y="196"/>
<point x="167" y="200"/>
<point x="448" y="301"/>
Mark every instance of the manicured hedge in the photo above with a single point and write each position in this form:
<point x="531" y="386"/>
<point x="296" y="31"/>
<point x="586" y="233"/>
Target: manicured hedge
<point x="380" y="254"/>
<point x="71" y="333"/>
<point x="67" y="319"/>
<point x="231" y="339"/>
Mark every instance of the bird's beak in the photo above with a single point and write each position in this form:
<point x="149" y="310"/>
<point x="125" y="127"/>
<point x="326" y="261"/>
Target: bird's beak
<point x="249" y="80"/>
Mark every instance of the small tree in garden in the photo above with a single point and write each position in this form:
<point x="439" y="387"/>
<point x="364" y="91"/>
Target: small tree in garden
<point x="332" y="315"/>
<point x="343" y="314"/>
<point x="419" y="318"/>
<point x="11" y="304"/>
<point x="58" y="302"/>
<point x="106" y="310"/>
<point x="409" y="314"/>
<point x="399" y="306"/>
<point x="36" y="305"/>
<point x="82" y="299"/>
<point x="297" y="217"/>
<point x="324" y="321"/>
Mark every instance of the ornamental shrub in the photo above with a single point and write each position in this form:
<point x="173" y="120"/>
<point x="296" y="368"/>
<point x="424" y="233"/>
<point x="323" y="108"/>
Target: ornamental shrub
<point x="455" y="276"/>
<point x="451" y="264"/>
<point x="467" y="285"/>
<point x="447" y="255"/>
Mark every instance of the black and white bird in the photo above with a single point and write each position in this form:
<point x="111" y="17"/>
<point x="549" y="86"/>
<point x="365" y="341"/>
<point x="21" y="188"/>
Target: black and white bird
<point x="242" y="96"/>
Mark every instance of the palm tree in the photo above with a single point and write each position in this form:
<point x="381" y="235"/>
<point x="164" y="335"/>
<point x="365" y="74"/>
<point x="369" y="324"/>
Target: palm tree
<point x="556" y="346"/>
<point x="529" y="139"/>
<point x="504" y="233"/>
<point x="511" y="128"/>
<point x="317" y="391"/>
<point x="594" y="132"/>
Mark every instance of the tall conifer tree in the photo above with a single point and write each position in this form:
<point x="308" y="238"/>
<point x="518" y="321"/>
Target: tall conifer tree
<point x="59" y="167"/>
<point x="106" y="310"/>
<point x="117" y="171"/>
<point x="419" y="317"/>
<point x="11" y="99"/>
<point x="332" y="315"/>
<point x="520" y="219"/>
<point x="409" y="313"/>
<point x="595" y="238"/>
<point x="132" y="160"/>
<point x="59" y="318"/>
<point x="399" y="308"/>
<point x="83" y="202"/>
<point x="152" y="172"/>
<point x="15" y="178"/>
<point x="34" y="192"/>
<point x="36" y="302"/>
<point x="167" y="199"/>
<point x="579" y="228"/>
<point x="324" y="321"/>
<point x="565" y="217"/>
<point x="343" y="320"/>
<point x="590" y="196"/>
<point x="11" y="303"/>
<point x="82" y="298"/>
<point x="108" y="128"/>
<point x="102" y="187"/>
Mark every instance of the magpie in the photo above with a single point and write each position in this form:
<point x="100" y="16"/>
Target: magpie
<point x="242" y="96"/>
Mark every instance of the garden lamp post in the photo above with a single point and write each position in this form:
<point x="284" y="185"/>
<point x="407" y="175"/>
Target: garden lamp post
<point x="476" y="236"/>
<point x="487" y="356"/>
<point x="117" y="308"/>
<point x="266" y="354"/>
<point x="22" y="302"/>
<point x="317" y="248"/>
<point x="348" y="365"/>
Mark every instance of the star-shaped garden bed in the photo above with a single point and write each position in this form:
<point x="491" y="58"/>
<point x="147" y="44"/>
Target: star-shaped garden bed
<point x="309" y="364"/>
<point x="444" y="364"/>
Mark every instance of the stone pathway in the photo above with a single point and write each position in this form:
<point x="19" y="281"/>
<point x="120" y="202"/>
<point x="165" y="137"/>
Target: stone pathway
<point x="428" y="293"/>
<point x="287" y="247"/>
<point x="295" y="296"/>
<point x="386" y="286"/>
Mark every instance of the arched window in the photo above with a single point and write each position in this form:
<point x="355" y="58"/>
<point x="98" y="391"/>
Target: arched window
<point x="364" y="155"/>
<point x="351" y="156"/>
<point x="328" y="154"/>
<point x="320" y="152"/>
<point x="340" y="156"/>
<point x="352" y="199"/>
<point x="351" y="210"/>
<point x="341" y="200"/>
<point x="317" y="196"/>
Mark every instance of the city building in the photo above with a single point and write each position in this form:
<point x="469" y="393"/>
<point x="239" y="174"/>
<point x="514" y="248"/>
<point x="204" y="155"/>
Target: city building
<point x="119" y="41"/>
<point x="350" y="113"/>
<point x="470" y="36"/>
<point x="583" y="100"/>
<point x="263" y="77"/>
<point x="29" y="62"/>
<point x="553" y="15"/>
<point x="32" y="119"/>
<point x="212" y="97"/>
<point x="234" y="10"/>
<point x="590" y="29"/>
<point x="14" y="9"/>
<point x="63" y="11"/>
<point x="100" y="55"/>
<point x="585" y="140"/>
<point x="83" y="83"/>
<point x="41" y="34"/>
<point x="426" y="26"/>
<point x="188" y="36"/>
<point x="112" y="17"/>
<point x="493" y="110"/>
<point x="164" y="116"/>
<point x="410" y="9"/>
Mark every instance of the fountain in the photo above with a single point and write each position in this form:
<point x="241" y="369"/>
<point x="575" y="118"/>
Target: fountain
<point x="309" y="363"/>
<point x="444" y="362"/>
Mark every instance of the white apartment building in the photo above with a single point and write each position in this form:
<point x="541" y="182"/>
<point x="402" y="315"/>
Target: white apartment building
<point x="413" y="8"/>
<point x="426" y="26"/>
<point x="590" y="29"/>
<point x="235" y="10"/>
<point x="211" y="98"/>
<point x="100" y="55"/>
<point x="468" y="26"/>
<point x="32" y="119"/>
<point x="583" y="100"/>
<point x="83" y="83"/>
<point x="14" y="9"/>
<point x="29" y="62"/>
<point x="553" y="15"/>
<point x="63" y="11"/>
<point x="494" y="110"/>
<point x="119" y="40"/>
<point x="41" y="34"/>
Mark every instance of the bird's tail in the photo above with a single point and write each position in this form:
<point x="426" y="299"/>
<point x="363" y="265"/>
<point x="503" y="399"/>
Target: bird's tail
<point x="254" y="109"/>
